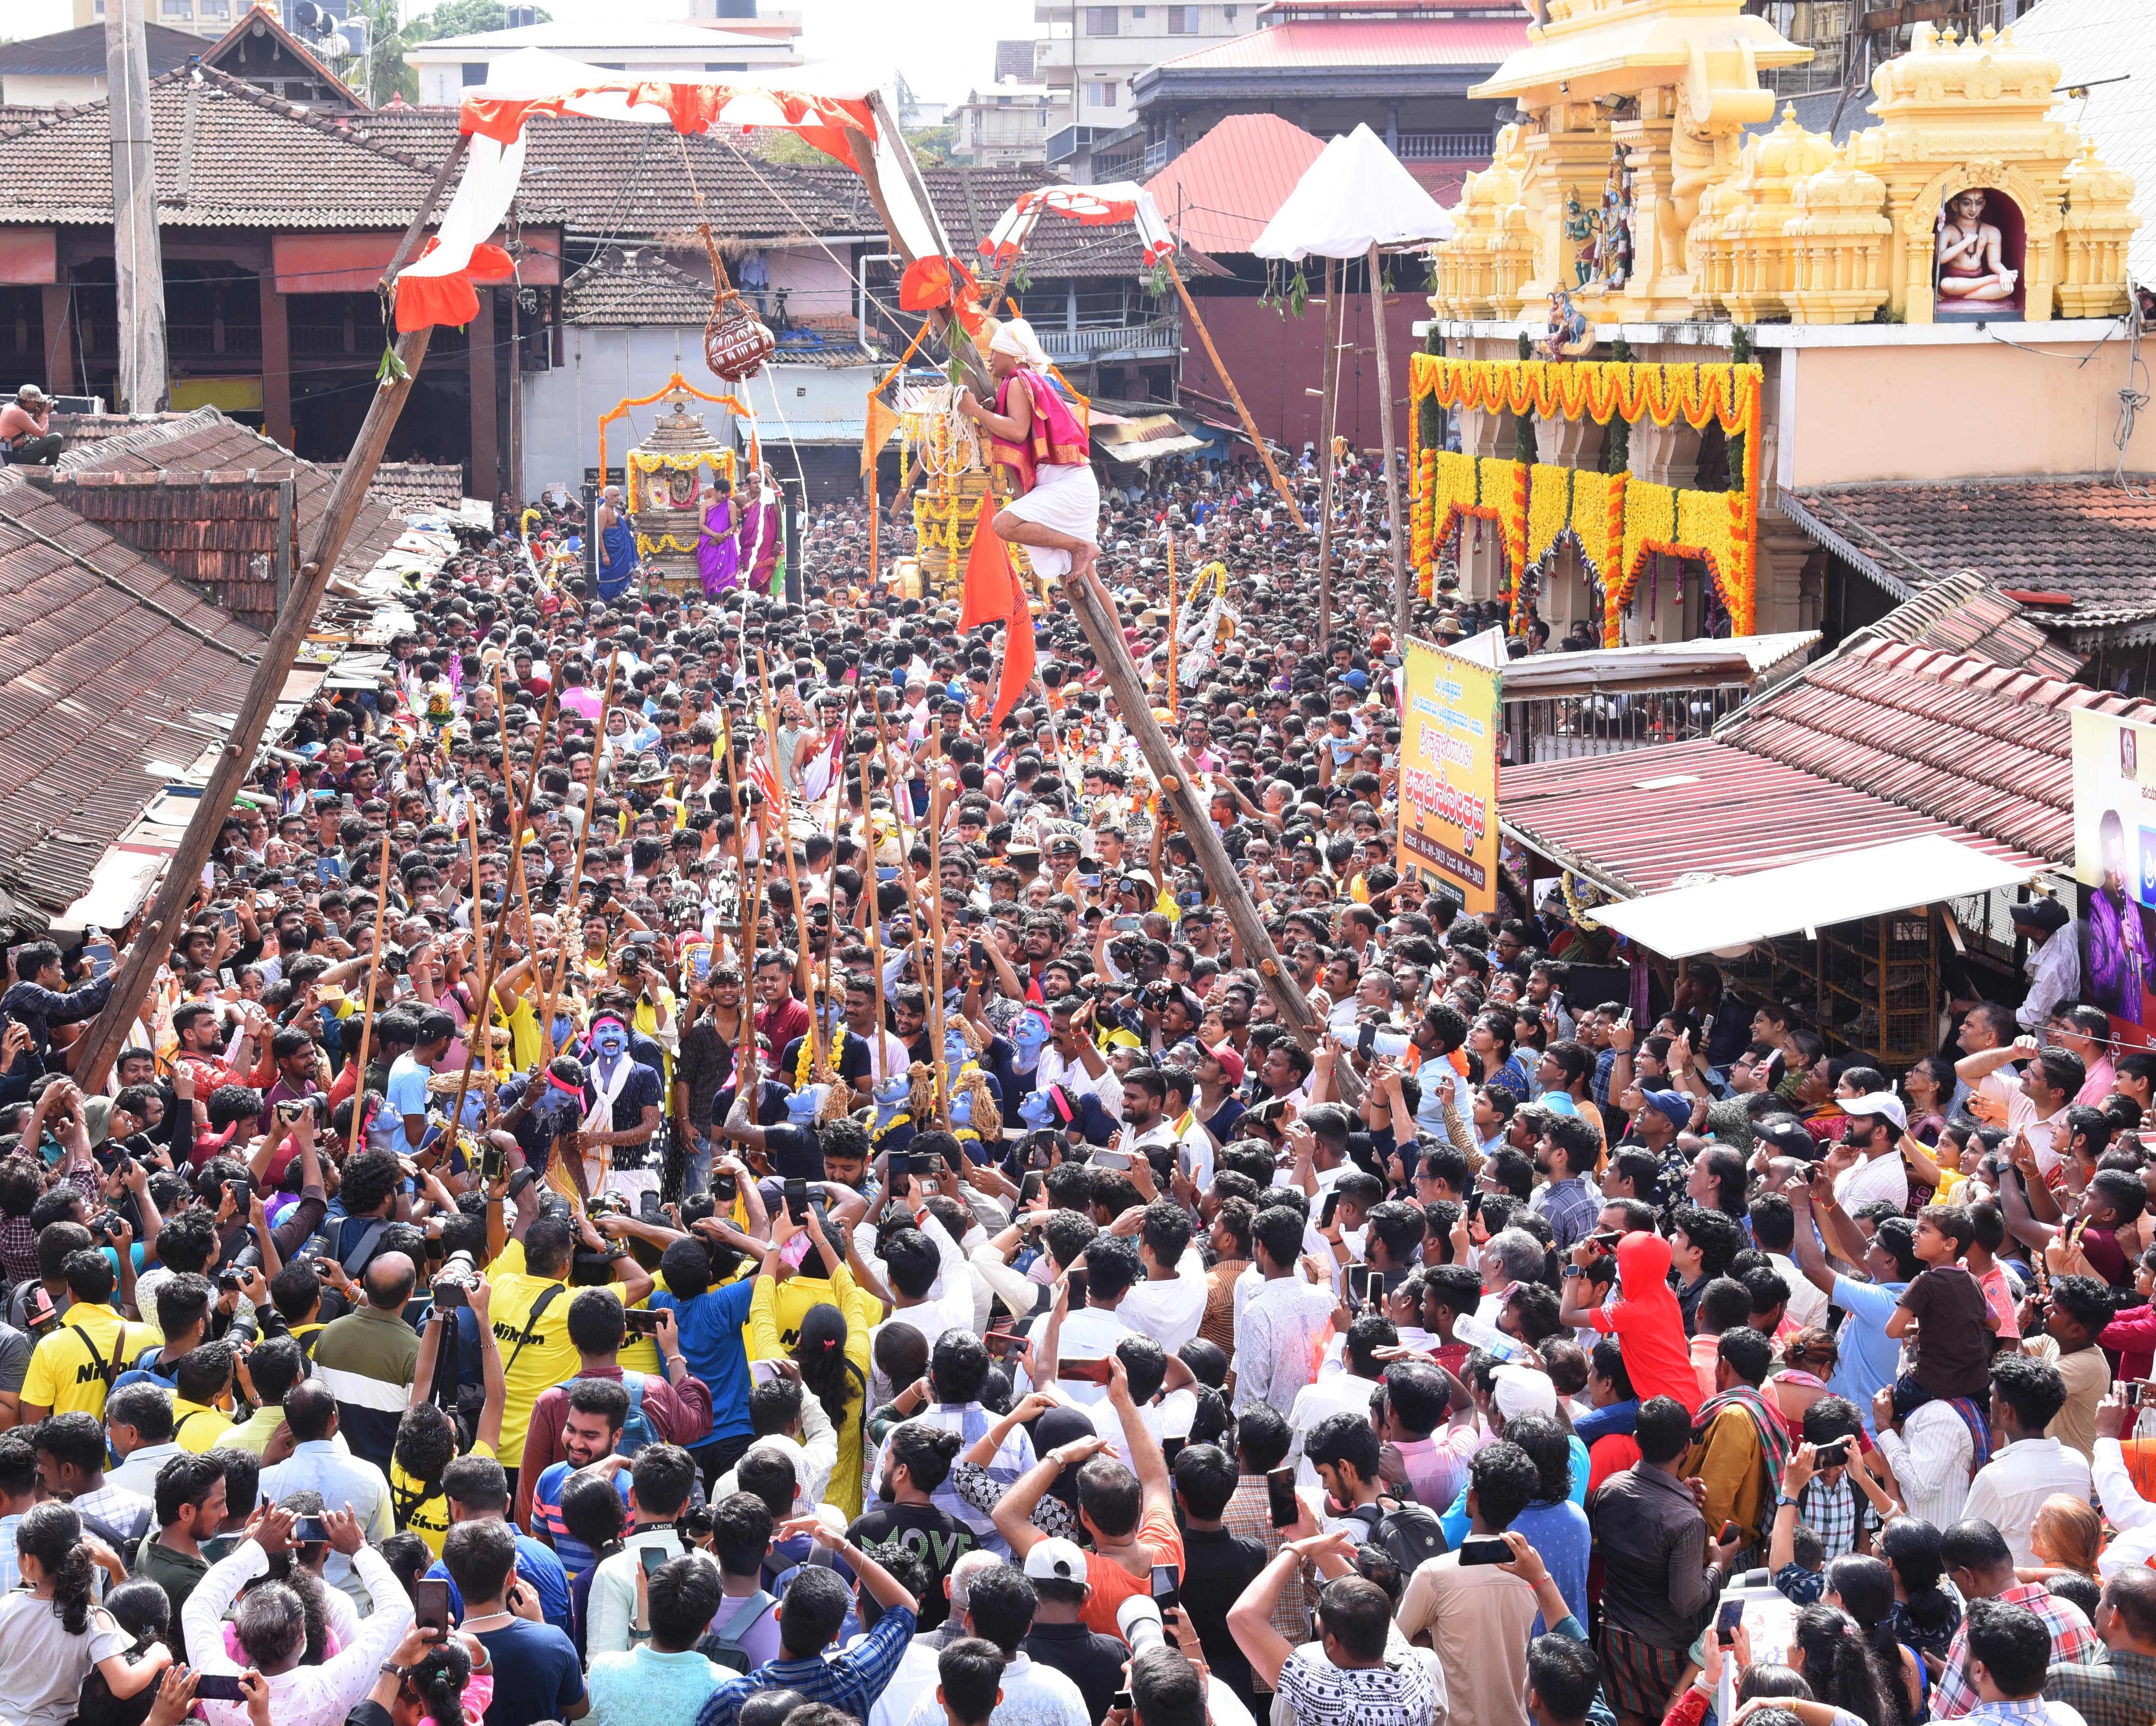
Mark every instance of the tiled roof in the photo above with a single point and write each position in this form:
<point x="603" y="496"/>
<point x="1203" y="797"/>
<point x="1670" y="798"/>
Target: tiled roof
<point x="206" y="440"/>
<point x="401" y="485"/>
<point x="206" y="528"/>
<point x="606" y="177"/>
<point x="2089" y="538"/>
<point x="227" y="48"/>
<point x="103" y="659"/>
<point x="1963" y="614"/>
<point x="1220" y="193"/>
<point x="1979" y="745"/>
<point x="635" y="287"/>
<point x="1641" y="820"/>
<point x="229" y="156"/>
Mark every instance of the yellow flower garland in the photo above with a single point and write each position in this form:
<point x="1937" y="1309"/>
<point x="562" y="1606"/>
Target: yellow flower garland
<point x="1617" y="524"/>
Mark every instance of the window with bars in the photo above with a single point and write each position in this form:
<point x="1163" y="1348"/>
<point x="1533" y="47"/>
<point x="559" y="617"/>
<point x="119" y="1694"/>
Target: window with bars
<point x="1101" y="20"/>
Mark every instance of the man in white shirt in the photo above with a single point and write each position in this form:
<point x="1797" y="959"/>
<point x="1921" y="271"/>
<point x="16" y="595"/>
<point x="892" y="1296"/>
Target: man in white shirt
<point x="1112" y="1268"/>
<point x="316" y="1465"/>
<point x="916" y="1677"/>
<point x="999" y="1610"/>
<point x="931" y="1282"/>
<point x="1169" y="1303"/>
<point x="1348" y="1391"/>
<point x="2053" y="963"/>
<point x="2131" y="1517"/>
<point x="2027" y="1467"/>
<point x="1277" y="1331"/>
<point x="1877" y="1122"/>
<point x="1930" y="1453"/>
<point x="1070" y="1060"/>
<point x="1143" y="1100"/>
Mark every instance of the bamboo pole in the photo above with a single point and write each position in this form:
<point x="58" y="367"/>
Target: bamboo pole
<point x="491" y="947"/>
<point x="1234" y="395"/>
<point x="373" y="973"/>
<point x="914" y="919"/>
<point x="1171" y="617"/>
<point x="550" y="1001"/>
<point x="1391" y="459"/>
<point x="1335" y="319"/>
<point x="803" y="972"/>
<point x="94" y="1051"/>
<point x="942" y="1097"/>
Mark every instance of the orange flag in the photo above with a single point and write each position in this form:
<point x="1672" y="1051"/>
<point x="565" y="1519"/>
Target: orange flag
<point x="992" y="594"/>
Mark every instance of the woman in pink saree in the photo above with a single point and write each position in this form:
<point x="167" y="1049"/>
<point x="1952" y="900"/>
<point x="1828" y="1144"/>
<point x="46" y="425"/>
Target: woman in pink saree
<point x="718" y="551"/>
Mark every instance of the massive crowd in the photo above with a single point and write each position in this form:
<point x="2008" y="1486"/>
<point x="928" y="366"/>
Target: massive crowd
<point x="676" y="1173"/>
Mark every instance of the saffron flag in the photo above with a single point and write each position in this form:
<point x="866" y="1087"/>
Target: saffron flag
<point x="992" y="594"/>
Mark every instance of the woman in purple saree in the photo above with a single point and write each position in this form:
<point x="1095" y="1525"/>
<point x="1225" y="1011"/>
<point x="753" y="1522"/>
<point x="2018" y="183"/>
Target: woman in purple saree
<point x="718" y="551"/>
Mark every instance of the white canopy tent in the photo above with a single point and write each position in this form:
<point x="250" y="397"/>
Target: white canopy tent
<point x="1737" y="910"/>
<point x="1355" y="201"/>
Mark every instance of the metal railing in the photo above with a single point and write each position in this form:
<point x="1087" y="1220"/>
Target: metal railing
<point x="1156" y="157"/>
<point x="1563" y="727"/>
<point x="1148" y="340"/>
<point x="211" y="339"/>
<point x="1444" y="147"/>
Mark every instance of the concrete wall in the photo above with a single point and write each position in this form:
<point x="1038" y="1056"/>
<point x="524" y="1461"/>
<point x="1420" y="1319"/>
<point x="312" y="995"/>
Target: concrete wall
<point x="1275" y="360"/>
<point x="816" y="284"/>
<point x="1976" y="408"/>
<point x="28" y="89"/>
<point x="602" y="364"/>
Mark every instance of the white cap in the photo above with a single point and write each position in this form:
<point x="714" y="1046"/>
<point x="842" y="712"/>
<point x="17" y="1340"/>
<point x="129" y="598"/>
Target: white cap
<point x="1055" y="1560"/>
<point x="1879" y="1102"/>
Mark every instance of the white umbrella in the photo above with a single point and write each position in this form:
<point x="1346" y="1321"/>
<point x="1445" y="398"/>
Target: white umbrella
<point x="1353" y="200"/>
<point x="1356" y="195"/>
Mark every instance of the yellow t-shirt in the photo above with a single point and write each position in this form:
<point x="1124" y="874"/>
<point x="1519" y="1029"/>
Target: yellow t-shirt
<point x="422" y="1509"/>
<point x="197" y="1425"/>
<point x="72" y="1367"/>
<point x="548" y="1359"/>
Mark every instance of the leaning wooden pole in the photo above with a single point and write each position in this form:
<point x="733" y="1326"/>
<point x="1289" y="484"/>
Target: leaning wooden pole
<point x="1400" y="596"/>
<point x="1336" y="320"/>
<point x="1096" y="615"/>
<point x="1234" y="395"/>
<point x="101" y="1043"/>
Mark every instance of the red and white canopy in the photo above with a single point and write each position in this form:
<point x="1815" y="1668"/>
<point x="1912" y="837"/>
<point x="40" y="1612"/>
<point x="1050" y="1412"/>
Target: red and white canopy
<point x="827" y="104"/>
<point x="1091" y="206"/>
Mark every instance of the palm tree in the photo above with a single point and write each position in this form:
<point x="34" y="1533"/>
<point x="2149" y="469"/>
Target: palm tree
<point x="385" y="75"/>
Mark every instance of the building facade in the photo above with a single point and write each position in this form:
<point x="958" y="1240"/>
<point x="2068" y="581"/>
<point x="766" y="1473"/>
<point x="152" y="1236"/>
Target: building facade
<point x="452" y="65"/>
<point x="1005" y="125"/>
<point x="1088" y="57"/>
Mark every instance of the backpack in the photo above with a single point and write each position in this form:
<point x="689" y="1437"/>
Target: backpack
<point x="722" y="1646"/>
<point x="1408" y="1533"/>
<point x="636" y="1431"/>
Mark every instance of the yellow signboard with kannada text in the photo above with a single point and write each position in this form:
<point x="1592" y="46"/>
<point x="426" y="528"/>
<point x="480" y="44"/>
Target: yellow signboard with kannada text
<point x="1451" y="730"/>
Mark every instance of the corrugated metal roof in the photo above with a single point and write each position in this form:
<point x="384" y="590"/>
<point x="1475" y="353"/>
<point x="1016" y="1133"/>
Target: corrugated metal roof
<point x="1395" y="43"/>
<point x="1641" y="820"/>
<point x="1220" y="193"/>
<point x="2109" y="45"/>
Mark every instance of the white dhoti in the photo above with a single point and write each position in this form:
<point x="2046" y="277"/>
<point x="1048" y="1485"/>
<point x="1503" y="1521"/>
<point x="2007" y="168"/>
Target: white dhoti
<point x="1066" y="498"/>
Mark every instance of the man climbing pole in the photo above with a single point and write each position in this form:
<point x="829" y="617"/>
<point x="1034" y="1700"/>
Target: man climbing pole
<point x="1055" y="513"/>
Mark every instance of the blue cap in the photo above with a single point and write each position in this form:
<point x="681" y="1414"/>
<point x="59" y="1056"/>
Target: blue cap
<point x="1358" y="681"/>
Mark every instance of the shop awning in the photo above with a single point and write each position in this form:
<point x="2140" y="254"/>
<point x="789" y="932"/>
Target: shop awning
<point x="1666" y="665"/>
<point x="1733" y="911"/>
<point x="1143" y="439"/>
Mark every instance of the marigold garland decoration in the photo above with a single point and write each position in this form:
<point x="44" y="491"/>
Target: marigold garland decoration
<point x="1549" y="509"/>
<point x="1617" y="524"/>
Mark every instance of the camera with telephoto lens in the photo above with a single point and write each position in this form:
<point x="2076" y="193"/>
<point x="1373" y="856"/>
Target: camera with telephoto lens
<point x="458" y="1276"/>
<point x="1138" y="1619"/>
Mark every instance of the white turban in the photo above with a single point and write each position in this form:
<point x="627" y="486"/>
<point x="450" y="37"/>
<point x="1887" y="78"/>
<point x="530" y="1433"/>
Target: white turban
<point x="1017" y="339"/>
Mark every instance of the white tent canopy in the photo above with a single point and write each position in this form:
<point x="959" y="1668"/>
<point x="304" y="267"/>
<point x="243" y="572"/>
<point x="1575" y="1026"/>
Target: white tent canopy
<point x="1356" y="195"/>
<point x="1735" y="911"/>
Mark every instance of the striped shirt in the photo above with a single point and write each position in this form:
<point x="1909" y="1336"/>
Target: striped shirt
<point x="367" y="1360"/>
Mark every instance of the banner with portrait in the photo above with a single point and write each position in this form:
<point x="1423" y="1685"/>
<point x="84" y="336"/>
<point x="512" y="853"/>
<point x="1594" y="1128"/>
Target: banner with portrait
<point x="2114" y="763"/>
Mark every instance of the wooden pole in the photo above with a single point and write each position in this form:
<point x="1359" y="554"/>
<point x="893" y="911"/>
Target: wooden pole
<point x="137" y="255"/>
<point x="803" y="969"/>
<point x="1392" y="459"/>
<point x="1335" y="319"/>
<point x="943" y="1098"/>
<point x="1096" y="616"/>
<point x="1171" y="617"/>
<point x="373" y="972"/>
<point x="1234" y="395"/>
<point x="94" y="1051"/>
<point x="551" y="1000"/>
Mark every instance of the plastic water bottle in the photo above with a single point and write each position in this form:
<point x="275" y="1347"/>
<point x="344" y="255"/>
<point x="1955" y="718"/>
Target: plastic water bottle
<point x="1478" y="1333"/>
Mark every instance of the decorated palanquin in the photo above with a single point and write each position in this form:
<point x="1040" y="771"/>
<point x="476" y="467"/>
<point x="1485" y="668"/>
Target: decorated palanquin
<point x="668" y="473"/>
<point x="1630" y="181"/>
